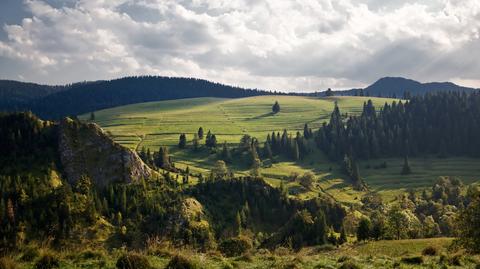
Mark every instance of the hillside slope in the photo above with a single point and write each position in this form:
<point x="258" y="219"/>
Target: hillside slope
<point x="56" y="102"/>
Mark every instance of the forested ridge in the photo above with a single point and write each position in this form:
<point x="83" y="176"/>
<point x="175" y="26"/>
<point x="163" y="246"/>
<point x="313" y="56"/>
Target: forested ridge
<point x="54" y="102"/>
<point x="441" y="124"/>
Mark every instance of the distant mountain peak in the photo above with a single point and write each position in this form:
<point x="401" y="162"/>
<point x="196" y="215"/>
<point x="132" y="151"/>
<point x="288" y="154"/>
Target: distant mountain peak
<point x="399" y="86"/>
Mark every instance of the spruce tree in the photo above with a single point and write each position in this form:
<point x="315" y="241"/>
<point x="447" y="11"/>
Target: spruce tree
<point x="182" y="143"/>
<point x="267" y="151"/>
<point x="343" y="236"/>
<point x="276" y="107"/>
<point x="195" y="142"/>
<point x="364" y="229"/>
<point x="406" y="170"/>
<point x="225" y="155"/>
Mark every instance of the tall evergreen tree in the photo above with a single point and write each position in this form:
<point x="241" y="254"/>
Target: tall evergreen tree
<point x="406" y="170"/>
<point x="276" y="107"/>
<point x="182" y="143"/>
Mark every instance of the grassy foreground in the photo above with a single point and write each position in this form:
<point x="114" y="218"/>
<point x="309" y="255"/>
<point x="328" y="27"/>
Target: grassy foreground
<point x="381" y="254"/>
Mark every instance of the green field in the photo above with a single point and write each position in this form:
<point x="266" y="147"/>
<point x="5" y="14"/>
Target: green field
<point x="157" y="124"/>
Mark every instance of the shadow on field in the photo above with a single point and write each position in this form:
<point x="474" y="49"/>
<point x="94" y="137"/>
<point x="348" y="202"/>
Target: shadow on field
<point x="262" y="116"/>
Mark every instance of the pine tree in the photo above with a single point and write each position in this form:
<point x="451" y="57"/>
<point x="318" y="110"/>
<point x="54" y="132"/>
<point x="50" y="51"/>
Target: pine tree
<point x="195" y="142"/>
<point x="276" y="107"/>
<point x="182" y="143"/>
<point x="267" y="151"/>
<point x="321" y="230"/>
<point x="225" y="155"/>
<point x="364" y="229"/>
<point x="238" y="224"/>
<point x="307" y="131"/>
<point x="343" y="236"/>
<point x="406" y="170"/>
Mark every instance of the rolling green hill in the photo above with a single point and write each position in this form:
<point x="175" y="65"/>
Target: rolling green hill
<point x="157" y="124"/>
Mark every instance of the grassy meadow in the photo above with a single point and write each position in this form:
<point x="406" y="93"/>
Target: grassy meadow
<point x="375" y="254"/>
<point x="156" y="124"/>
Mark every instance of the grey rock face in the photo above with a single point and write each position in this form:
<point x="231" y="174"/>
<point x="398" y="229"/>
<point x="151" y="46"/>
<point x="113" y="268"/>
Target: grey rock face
<point x="85" y="150"/>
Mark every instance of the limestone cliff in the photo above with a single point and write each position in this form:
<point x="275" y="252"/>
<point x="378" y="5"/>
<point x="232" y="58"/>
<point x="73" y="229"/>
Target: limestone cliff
<point x="86" y="150"/>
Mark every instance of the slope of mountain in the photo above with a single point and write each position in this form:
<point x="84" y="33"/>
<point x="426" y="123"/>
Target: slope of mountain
<point x="56" y="102"/>
<point x="85" y="150"/>
<point x="70" y="148"/>
<point x="16" y="95"/>
<point x="398" y="86"/>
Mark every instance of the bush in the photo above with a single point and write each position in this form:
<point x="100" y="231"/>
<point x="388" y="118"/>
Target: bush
<point x="30" y="254"/>
<point x="349" y="265"/>
<point x="92" y="255"/>
<point x="235" y="246"/>
<point x="181" y="262"/>
<point x="133" y="261"/>
<point x="430" y="251"/>
<point x="413" y="260"/>
<point x="47" y="261"/>
<point x="7" y="263"/>
<point x="455" y="260"/>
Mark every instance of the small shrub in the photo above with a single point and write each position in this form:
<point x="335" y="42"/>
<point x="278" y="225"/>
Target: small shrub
<point x="455" y="260"/>
<point x="47" y="261"/>
<point x="92" y="255"/>
<point x="181" y="262"/>
<point x="349" y="265"/>
<point x="413" y="260"/>
<point x="430" y="251"/>
<point x="235" y="246"/>
<point x="477" y="266"/>
<point x="7" y="263"/>
<point x="133" y="261"/>
<point x="30" y="254"/>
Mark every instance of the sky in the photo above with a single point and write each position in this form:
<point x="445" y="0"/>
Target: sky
<point x="294" y="45"/>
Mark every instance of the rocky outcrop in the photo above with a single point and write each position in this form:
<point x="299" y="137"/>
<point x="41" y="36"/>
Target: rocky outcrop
<point x="85" y="150"/>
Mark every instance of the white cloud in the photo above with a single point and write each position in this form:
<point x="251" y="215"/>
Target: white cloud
<point x="274" y="44"/>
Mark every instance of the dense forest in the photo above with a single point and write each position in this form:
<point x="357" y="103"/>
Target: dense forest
<point x="54" y="102"/>
<point x="442" y="124"/>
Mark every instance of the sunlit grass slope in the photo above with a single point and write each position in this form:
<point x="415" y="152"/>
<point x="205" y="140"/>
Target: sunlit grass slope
<point x="157" y="124"/>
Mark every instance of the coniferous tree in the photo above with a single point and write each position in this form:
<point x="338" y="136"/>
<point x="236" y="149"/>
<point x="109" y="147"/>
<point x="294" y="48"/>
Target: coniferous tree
<point x="406" y="170"/>
<point x="364" y="229"/>
<point x="200" y="133"/>
<point x="195" y="142"/>
<point x="276" y="107"/>
<point x="343" y="236"/>
<point x="92" y="116"/>
<point x="182" y="143"/>
<point x="267" y="151"/>
<point x="225" y="154"/>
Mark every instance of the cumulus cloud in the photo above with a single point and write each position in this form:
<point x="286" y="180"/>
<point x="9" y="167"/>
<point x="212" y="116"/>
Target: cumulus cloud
<point x="272" y="44"/>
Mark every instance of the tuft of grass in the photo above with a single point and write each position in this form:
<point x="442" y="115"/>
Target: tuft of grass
<point x="30" y="253"/>
<point x="48" y="261"/>
<point x="133" y="261"/>
<point x="7" y="263"/>
<point x="430" y="251"/>
<point x="182" y="262"/>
